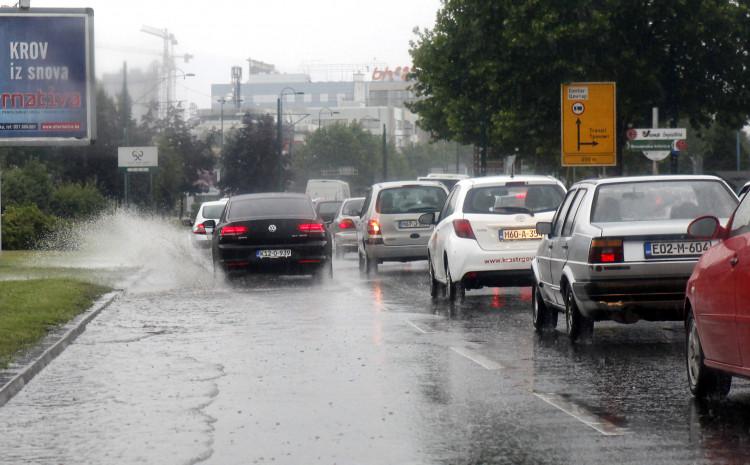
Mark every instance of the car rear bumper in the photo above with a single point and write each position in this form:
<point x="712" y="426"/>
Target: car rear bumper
<point x="346" y="240"/>
<point x="498" y="278"/>
<point x="628" y="300"/>
<point x="396" y="253"/>
<point x="304" y="259"/>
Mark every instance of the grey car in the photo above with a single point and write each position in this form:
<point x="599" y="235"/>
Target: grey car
<point x="617" y="249"/>
<point x="389" y="227"/>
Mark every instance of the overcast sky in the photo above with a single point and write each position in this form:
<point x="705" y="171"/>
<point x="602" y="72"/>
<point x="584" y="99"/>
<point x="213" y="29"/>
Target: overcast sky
<point x="222" y="33"/>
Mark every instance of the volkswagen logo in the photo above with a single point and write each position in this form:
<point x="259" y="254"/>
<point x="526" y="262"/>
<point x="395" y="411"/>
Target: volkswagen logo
<point x="272" y="228"/>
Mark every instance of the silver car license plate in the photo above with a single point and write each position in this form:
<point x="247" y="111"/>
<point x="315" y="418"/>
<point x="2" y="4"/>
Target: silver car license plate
<point x="276" y="253"/>
<point x="675" y="248"/>
<point x="409" y="224"/>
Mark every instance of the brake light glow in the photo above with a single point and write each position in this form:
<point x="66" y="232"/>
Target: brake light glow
<point x="200" y="229"/>
<point x="373" y="227"/>
<point x="311" y="228"/>
<point x="346" y="224"/>
<point x="606" y="251"/>
<point x="463" y="229"/>
<point x="236" y="230"/>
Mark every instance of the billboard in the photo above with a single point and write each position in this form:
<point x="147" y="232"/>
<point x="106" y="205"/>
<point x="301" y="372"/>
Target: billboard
<point x="46" y="77"/>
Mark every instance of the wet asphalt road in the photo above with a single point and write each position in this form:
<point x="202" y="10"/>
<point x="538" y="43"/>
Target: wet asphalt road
<point x="361" y="371"/>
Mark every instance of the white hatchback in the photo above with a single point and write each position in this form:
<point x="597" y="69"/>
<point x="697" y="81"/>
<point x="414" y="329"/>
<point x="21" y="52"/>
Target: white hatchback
<point x="201" y="238"/>
<point x="486" y="233"/>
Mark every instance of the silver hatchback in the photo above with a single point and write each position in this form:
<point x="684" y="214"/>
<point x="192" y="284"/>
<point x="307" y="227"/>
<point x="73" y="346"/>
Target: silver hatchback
<point x="389" y="228"/>
<point x="617" y="249"/>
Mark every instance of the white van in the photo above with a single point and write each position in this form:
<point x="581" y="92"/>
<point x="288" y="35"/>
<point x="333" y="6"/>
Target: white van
<point x="327" y="189"/>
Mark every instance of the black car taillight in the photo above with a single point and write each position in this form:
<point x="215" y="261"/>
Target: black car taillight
<point x="311" y="228"/>
<point x="606" y="251"/>
<point x="234" y="230"/>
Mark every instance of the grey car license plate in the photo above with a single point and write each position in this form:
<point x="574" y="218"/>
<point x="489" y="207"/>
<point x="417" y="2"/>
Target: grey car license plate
<point x="409" y="224"/>
<point x="275" y="253"/>
<point x="675" y="248"/>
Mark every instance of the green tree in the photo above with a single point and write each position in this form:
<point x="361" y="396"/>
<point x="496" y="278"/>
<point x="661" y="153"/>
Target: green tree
<point x="349" y="147"/>
<point x="250" y="162"/>
<point x="489" y="72"/>
<point x="183" y="157"/>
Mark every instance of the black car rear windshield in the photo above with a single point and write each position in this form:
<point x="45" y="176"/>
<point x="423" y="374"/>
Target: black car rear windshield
<point x="212" y="212"/>
<point x="507" y="200"/>
<point x="271" y="208"/>
<point x="662" y="200"/>
<point x="410" y="199"/>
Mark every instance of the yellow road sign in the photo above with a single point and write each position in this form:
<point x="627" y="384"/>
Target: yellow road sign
<point x="589" y="131"/>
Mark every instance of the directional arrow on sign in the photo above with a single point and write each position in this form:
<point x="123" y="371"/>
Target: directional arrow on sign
<point x="593" y="143"/>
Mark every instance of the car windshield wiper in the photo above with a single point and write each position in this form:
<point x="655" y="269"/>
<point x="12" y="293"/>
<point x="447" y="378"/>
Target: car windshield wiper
<point x="513" y="210"/>
<point x="421" y="210"/>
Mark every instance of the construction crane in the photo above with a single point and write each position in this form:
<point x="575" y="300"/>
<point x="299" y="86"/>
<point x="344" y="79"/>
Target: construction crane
<point x="169" y="77"/>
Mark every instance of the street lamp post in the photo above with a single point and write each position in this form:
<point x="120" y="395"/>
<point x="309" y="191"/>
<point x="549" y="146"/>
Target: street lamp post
<point x="330" y="112"/>
<point x="279" y="131"/>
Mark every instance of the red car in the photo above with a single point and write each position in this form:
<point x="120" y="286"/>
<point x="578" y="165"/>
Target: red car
<point x="717" y="305"/>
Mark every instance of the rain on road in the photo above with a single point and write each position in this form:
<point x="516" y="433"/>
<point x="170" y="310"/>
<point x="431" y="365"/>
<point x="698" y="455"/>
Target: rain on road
<point x="361" y="371"/>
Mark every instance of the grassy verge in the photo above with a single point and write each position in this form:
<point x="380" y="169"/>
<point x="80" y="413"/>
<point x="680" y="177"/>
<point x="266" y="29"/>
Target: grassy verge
<point x="30" y="308"/>
<point x="31" y="264"/>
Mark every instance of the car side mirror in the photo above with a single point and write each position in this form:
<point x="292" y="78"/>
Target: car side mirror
<point x="187" y="222"/>
<point x="544" y="228"/>
<point x="705" y="227"/>
<point x="428" y="218"/>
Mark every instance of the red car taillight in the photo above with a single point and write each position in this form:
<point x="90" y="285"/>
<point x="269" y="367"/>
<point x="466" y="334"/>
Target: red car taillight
<point x="346" y="224"/>
<point x="463" y="229"/>
<point x="311" y="228"/>
<point x="234" y="230"/>
<point x="200" y="229"/>
<point x="606" y="251"/>
<point x="373" y="227"/>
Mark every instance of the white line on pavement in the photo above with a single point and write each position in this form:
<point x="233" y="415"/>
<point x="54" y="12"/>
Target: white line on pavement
<point x="477" y="358"/>
<point x="418" y="328"/>
<point x="587" y="418"/>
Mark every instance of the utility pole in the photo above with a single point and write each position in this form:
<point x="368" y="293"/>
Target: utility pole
<point x="280" y="143"/>
<point x="385" y="155"/>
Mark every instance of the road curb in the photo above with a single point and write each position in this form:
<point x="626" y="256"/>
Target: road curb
<point x="74" y="328"/>
<point x="27" y="373"/>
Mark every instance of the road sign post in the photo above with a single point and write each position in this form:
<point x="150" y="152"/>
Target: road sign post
<point x="588" y="124"/>
<point x="137" y="160"/>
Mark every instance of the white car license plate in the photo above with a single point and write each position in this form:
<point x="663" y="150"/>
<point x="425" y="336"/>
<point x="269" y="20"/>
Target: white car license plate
<point x="409" y="224"/>
<point x="519" y="234"/>
<point x="675" y="248"/>
<point x="277" y="253"/>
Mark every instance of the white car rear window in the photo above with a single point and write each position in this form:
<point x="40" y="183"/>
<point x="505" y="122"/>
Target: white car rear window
<point x="662" y="200"/>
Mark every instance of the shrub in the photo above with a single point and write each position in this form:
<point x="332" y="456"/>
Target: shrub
<point x="28" y="185"/>
<point x="24" y="226"/>
<point x="77" y="201"/>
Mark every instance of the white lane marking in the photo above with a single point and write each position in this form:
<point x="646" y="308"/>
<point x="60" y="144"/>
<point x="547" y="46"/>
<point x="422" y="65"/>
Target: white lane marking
<point x="587" y="418"/>
<point x="418" y="328"/>
<point x="477" y="358"/>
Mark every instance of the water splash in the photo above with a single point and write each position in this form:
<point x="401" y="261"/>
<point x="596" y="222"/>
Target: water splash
<point x="134" y="242"/>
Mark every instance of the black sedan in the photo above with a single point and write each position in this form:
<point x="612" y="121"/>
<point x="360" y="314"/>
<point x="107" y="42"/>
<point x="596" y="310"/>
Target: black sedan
<point x="275" y="233"/>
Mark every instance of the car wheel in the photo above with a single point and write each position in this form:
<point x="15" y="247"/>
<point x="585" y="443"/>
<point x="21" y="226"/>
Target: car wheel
<point x="703" y="381"/>
<point x="576" y="324"/>
<point x="324" y="272"/>
<point x="362" y="263"/>
<point x="543" y="316"/>
<point x="434" y="283"/>
<point x="456" y="290"/>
